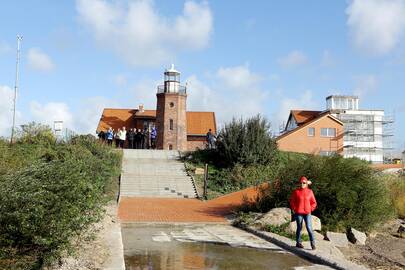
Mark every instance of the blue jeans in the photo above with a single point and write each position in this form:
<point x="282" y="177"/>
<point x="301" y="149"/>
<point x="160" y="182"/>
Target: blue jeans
<point x="308" y="223"/>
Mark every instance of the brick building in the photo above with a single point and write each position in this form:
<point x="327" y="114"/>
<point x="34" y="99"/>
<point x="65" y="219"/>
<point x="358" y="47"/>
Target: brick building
<point x="312" y="132"/>
<point x="177" y="128"/>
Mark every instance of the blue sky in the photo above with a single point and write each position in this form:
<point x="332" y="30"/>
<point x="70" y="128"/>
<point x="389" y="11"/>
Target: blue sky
<point x="238" y="58"/>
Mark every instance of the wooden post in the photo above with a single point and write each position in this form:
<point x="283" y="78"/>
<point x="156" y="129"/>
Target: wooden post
<point x="205" y="181"/>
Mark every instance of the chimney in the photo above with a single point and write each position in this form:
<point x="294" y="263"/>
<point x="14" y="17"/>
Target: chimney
<point x="140" y="108"/>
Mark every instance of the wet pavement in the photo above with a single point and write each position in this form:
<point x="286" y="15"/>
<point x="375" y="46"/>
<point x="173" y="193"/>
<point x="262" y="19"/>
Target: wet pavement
<point x="197" y="246"/>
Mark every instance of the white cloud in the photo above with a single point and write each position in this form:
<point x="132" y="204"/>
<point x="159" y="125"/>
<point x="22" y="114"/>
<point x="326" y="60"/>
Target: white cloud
<point x="238" y="77"/>
<point x="304" y="102"/>
<point x="144" y="92"/>
<point x="366" y="84"/>
<point x="50" y="112"/>
<point x="140" y="35"/>
<point x="376" y="25"/>
<point x="233" y="92"/>
<point x="87" y="117"/>
<point x="40" y="61"/>
<point x="120" y="80"/>
<point x="6" y="114"/>
<point x="293" y="59"/>
<point x="83" y="120"/>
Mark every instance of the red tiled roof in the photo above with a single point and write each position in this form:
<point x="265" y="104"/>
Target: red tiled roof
<point x="301" y="116"/>
<point x="116" y="118"/>
<point x="198" y="123"/>
<point x="145" y="113"/>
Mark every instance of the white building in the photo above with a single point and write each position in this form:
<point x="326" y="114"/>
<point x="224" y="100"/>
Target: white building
<point x="365" y="131"/>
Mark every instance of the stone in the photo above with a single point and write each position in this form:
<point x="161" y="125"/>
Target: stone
<point x="275" y="217"/>
<point x="316" y="226"/>
<point x="199" y="171"/>
<point x="401" y="231"/>
<point x="318" y="236"/>
<point x="356" y="237"/>
<point x="337" y="239"/>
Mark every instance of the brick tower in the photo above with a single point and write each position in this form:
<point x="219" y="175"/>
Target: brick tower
<point x="171" y="122"/>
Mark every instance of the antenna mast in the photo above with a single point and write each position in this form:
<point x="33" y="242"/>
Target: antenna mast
<point x="19" y="38"/>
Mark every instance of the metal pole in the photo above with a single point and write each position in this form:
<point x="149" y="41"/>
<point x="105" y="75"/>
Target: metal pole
<point x="19" y="38"/>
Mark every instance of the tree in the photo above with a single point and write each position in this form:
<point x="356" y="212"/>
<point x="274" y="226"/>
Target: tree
<point x="246" y="142"/>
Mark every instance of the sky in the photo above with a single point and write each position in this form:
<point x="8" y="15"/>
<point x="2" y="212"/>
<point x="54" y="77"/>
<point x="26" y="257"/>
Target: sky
<point x="238" y="58"/>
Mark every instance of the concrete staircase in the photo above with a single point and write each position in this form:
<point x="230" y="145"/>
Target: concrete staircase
<point x="154" y="173"/>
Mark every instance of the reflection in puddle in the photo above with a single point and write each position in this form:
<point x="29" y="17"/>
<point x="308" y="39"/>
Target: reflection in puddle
<point x="153" y="247"/>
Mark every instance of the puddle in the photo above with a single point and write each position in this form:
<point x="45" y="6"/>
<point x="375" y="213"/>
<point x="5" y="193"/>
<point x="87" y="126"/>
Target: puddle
<point x="174" y="247"/>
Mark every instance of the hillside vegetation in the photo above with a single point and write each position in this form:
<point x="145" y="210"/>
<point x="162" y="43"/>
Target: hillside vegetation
<point x="51" y="193"/>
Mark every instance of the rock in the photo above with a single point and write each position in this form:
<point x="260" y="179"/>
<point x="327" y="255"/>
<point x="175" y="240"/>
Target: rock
<point x="337" y="239"/>
<point x="199" y="171"/>
<point x="276" y="217"/>
<point x="401" y="231"/>
<point x="318" y="236"/>
<point x="316" y="226"/>
<point x="372" y="234"/>
<point x="356" y="237"/>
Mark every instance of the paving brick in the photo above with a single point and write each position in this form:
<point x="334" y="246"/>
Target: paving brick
<point x="147" y="209"/>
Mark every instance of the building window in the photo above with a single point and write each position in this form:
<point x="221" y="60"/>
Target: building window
<point x="328" y="132"/>
<point x="171" y="124"/>
<point x="171" y="104"/>
<point x="170" y="147"/>
<point x="311" y="131"/>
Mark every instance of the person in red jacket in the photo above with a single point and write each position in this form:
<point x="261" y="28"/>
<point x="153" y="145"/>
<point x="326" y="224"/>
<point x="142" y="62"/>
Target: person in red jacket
<point x="302" y="203"/>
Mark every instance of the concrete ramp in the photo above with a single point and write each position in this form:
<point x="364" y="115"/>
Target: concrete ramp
<point x="154" y="173"/>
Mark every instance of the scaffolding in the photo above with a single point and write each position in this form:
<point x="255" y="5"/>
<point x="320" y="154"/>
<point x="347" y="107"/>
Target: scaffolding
<point x="368" y="135"/>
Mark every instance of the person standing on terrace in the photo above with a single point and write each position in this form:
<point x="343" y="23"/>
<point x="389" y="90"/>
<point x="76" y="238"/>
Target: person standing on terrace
<point x="303" y="203"/>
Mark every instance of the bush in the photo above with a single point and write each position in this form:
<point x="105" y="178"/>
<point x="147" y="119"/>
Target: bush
<point x="396" y="185"/>
<point x="34" y="133"/>
<point x="349" y="193"/>
<point x="50" y="194"/>
<point x="246" y="142"/>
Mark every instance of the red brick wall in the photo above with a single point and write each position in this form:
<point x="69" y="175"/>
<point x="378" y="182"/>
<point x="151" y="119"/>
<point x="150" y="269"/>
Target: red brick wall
<point x="196" y="142"/>
<point x="177" y="137"/>
<point x="299" y="141"/>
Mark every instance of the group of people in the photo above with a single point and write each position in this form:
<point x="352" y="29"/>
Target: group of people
<point x="131" y="139"/>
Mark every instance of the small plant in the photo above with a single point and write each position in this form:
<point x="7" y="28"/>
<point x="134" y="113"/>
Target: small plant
<point x="282" y="230"/>
<point x="243" y="218"/>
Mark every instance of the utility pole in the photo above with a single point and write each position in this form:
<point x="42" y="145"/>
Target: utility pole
<point x="19" y="38"/>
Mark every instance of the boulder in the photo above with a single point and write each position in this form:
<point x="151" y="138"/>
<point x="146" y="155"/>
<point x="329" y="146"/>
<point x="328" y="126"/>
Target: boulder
<point x="275" y="217"/>
<point x="318" y="236"/>
<point x="337" y="239"/>
<point x="316" y="226"/>
<point x="356" y="237"/>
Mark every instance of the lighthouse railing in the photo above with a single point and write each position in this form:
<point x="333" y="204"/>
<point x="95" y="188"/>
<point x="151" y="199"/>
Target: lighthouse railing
<point x="181" y="89"/>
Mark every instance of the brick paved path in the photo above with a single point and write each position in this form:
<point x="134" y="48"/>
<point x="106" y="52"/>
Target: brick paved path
<point x="136" y="209"/>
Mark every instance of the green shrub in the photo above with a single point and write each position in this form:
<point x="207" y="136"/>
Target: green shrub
<point x="246" y="142"/>
<point x="50" y="194"/>
<point x="396" y="186"/>
<point x="35" y="133"/>
<point x="348" y="191"/>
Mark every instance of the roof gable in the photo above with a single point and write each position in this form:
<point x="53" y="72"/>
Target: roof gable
<point x="302" y="116"/>
<point x="320" y="116"/>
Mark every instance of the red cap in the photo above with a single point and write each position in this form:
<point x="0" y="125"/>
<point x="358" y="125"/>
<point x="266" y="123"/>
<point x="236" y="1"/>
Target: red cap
<point x="303" y="179"/>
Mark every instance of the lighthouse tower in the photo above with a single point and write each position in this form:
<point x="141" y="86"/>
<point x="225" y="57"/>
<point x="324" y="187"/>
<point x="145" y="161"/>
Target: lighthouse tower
<point x="171" y="122"/>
